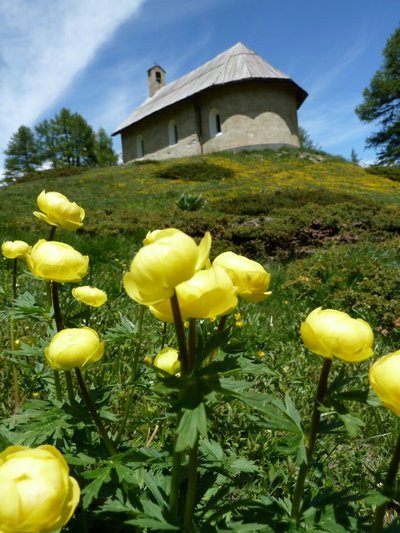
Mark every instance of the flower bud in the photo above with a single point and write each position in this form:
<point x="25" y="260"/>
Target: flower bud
<point x="57" y="210"/>
<point x="74" y="347"/>
<point x="332" y="333"/>
<point x="37" y="494"/>
<point x="168" y="361"/>
<point x="57" y="261"/>
<point x="89" y="295"/>
<point x="15" y="249"/>
<point x="208" y="294"/>
<point x="384" y="377"/>
<point x="248" y="276"/>
<point x="168" y="258"/>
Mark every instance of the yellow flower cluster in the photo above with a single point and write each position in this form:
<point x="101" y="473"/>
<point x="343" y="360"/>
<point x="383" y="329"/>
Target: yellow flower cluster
<point x="170" y="262"/>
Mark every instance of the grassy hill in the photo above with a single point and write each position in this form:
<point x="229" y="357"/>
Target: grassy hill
<point x="326" y="229"/>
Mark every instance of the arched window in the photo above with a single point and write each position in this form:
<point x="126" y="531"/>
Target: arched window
<point x="172" y="132"/>
<point x="214" y="122"/>
<point x="139" y="147"/>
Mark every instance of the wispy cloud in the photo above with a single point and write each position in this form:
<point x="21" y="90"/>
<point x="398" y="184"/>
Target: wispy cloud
<point x="43" y="46"/>
<point x="319" y="83"/>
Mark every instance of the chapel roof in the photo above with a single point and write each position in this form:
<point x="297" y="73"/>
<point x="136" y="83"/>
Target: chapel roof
<point x="235" y="64"/>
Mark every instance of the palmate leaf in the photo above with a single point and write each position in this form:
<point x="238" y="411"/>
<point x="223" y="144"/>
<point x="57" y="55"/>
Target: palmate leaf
<point x="352" y="423"/>
<point x="90" y="492"/>
<point x="193" y="423"/>
<point x="152" y="518"/>
<point x="125" y="330"/>
<point x="40" y="422"/>
<point x="25" y="306"/>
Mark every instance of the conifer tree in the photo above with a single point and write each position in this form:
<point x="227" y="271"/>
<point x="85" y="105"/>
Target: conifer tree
<point x="22" y="154"/>
<point x="382" y="104"/>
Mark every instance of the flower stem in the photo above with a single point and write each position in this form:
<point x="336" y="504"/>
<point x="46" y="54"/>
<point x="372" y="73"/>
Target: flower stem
<point x="93" y="411"/>
<point x="316" y="415"/>
<point x="180" y="334"/>
<point x="12" y="341"/>
<point x="191" y="487"/>
<point x="70" y="386"/>
<point x="56" y="306"/>
<point x="192" y="345"/>
<point x="128" y="401"/>
<point x="377" y="526"/>
<point x="52" y="233"/>
<point x="59" y="325"/>
<point x="57" y="385"/>
<point x="175" y="483"/>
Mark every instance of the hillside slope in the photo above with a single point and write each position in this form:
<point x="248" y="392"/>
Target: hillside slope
<point x="265" y="204"/>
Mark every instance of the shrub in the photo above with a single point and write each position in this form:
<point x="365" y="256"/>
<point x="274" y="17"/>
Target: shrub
<point x="392" y="173"/>
<point x="194" y="171"/>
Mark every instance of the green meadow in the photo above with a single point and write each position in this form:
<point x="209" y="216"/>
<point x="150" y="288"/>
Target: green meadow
<point x="328" y="232"/>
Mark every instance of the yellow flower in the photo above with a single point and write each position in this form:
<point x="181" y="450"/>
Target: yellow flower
<point x="57" y="210"/>
<point x="250" y="278"/>
<point x="89" y="295"/>
<point x="74" y="347"/>
<point x="208" y="294"/>
<point x="168" y="258"/>
<point x="168" y="360"/>
<point x="57" y="261"/>
<point x="37" y="494"/>
<point x="15" y="249"/>
<point x="384" y="377"/>
<point x="332" y="333"/>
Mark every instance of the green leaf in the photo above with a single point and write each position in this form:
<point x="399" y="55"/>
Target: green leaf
<point x="241" y="464"/>
<point x="91" y="491"/>
<point x="352" y="424"/>
<point x="192" y="424"/>
<point x="376" y="498"/>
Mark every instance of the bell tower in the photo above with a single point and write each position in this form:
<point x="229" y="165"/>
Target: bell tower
<point x="156" y="79"/>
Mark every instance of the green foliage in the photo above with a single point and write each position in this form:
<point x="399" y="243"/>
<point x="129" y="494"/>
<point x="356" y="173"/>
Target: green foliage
<point x="190" y="202"/>
<point x="22" y="154"/>
<point x="390" y="172"/>
<point x="202" y="170"/>
<point x="104" y="150"/>
<point x="64" y="141"/>
<point x="381" y="104"/>
<point x="306" y="143"/>
<point x="251" y="396"/>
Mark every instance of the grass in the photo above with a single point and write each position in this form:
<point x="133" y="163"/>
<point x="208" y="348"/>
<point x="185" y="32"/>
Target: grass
<point x="326" y="229"/>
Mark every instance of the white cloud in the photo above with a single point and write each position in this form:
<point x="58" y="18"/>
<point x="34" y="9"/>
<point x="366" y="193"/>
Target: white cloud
<point x="43" y="46"/>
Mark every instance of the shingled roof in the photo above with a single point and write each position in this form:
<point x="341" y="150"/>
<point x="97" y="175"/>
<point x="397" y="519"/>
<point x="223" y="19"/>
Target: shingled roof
<point x="235" y="64"/>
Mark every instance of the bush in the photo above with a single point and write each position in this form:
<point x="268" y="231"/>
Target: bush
<point x="392" y="173"/>
<point x="194" y="171"/>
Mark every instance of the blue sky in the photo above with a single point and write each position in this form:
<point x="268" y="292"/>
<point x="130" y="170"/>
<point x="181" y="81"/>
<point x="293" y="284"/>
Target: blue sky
<point x="92" y="56"/>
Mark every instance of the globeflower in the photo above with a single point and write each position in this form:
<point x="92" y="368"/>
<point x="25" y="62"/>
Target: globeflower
<point x="57" y="210"/>
<point x="168" y="258"/>
<point x="89" y="295"/>
<point x="332" y="333"/>
<point x="207" y="294"/>
<point x="37" y="493"/>
<point x="57" y="261"/>
<point x="384" y="377"/>
<point x="74" y="347"/>
<point x="15" y="249"/>
<point x="248" y="276"/>
<point x="168" y="361"/>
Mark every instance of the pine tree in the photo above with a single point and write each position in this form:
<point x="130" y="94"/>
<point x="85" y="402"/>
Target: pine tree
<point x="105" y="154"/>
<point x="22" y="154"/>
<point x="382" y="104"/>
